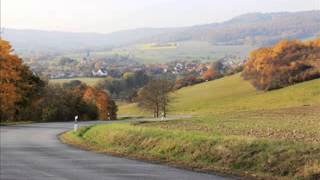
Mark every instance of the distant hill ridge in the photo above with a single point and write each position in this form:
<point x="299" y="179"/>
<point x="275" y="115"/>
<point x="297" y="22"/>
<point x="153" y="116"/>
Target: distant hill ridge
<point x="249" y="29"/>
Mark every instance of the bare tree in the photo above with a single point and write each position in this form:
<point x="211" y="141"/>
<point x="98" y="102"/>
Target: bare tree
<point x="155" y="97"/>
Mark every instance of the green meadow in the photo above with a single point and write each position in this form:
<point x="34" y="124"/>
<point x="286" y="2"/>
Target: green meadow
<point x="232" y="94"/>
<point x="234" y="129"/>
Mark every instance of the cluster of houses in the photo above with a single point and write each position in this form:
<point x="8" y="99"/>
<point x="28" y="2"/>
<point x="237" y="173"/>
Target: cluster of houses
<point x="118" y="65"/>
<point x="179" y="67"/>
<point x="175" y="68"/>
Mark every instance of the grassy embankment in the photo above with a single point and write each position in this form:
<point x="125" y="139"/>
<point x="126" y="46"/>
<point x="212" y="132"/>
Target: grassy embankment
<point x="235" y="129"/>
<point x="15" y="123"/>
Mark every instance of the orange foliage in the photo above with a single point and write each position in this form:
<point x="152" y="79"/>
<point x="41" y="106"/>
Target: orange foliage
<point x="286" y="63"/>
<point x="101" y="99"/>
<point x="10" y="72"/>
<point x="102" y="102"/>
<point x="210" y="74"/>
<point x="89" y="95"/>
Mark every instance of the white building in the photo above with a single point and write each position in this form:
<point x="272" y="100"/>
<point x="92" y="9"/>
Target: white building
<point x="100" y="73"/>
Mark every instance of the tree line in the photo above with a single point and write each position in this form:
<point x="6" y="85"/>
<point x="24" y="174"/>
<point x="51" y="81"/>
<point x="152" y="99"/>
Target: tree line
<point x="126" y="87"/>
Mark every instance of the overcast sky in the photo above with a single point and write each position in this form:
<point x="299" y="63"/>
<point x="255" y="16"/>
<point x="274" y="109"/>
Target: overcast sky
<point x="112" y="15"/>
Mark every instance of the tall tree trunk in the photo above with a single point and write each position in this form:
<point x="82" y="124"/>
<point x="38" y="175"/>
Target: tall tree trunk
<point x="157" y="110"/>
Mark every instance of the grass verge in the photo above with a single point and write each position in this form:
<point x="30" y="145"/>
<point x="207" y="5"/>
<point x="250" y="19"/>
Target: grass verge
<point x="15" y="123"/>
<point x="260" y="158"/>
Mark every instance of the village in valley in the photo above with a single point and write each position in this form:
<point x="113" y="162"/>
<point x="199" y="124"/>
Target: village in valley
<point x="117" y="65"/>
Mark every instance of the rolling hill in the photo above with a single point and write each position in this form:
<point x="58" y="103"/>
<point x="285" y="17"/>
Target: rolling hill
<point x="233" y="94"/>
<point x="249" y="29"/>
<point x="28" y="41"/>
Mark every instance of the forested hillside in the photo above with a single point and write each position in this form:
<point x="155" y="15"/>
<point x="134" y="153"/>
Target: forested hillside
<point x="252" y="29"/>
<point x="249" y="29"/>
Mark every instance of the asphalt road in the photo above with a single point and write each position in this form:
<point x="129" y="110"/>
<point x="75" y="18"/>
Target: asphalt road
<point x="33" y="152"/>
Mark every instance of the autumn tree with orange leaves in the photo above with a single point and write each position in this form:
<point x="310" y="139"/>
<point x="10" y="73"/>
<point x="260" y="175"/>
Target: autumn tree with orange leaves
<point x="18" y="85"/>
<point x="210" y="74"/>
<point x="107" y="109"/>
<point x="286" y="63"/>
<point x="214" y="72"/>
<point x="10" y="66"/>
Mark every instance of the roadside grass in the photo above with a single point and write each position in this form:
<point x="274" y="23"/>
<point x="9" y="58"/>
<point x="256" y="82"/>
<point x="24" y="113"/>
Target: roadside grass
<point x="91" y="81"/>
<point x="12" y="123"/>
<point x="235" y="129"/>
<point x="239" y="155"/>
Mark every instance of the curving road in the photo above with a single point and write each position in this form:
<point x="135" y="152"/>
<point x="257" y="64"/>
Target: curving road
<point x="33" y="152"/>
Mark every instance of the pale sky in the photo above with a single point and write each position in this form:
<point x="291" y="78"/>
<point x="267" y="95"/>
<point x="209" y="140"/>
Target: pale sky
<point x="106" y="16"/>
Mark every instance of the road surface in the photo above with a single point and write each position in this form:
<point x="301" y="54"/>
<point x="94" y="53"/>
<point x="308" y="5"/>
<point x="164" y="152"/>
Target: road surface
<point x="33" y="152"/>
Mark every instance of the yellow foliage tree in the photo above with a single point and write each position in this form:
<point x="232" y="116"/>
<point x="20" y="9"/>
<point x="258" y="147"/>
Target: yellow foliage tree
<point x="101" y="99"/>
<point x="18" y="85"/>
<point x="10" y="73"/>
<point x="286" y="63"/>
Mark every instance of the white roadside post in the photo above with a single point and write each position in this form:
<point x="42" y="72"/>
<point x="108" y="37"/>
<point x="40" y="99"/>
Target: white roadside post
<point x="76" y="126"/>
<point x="162" y="116"/>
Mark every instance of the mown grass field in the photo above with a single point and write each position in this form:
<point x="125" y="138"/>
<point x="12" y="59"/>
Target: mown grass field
<point x="88" y="80"/>
<point x="234" y="129"/>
